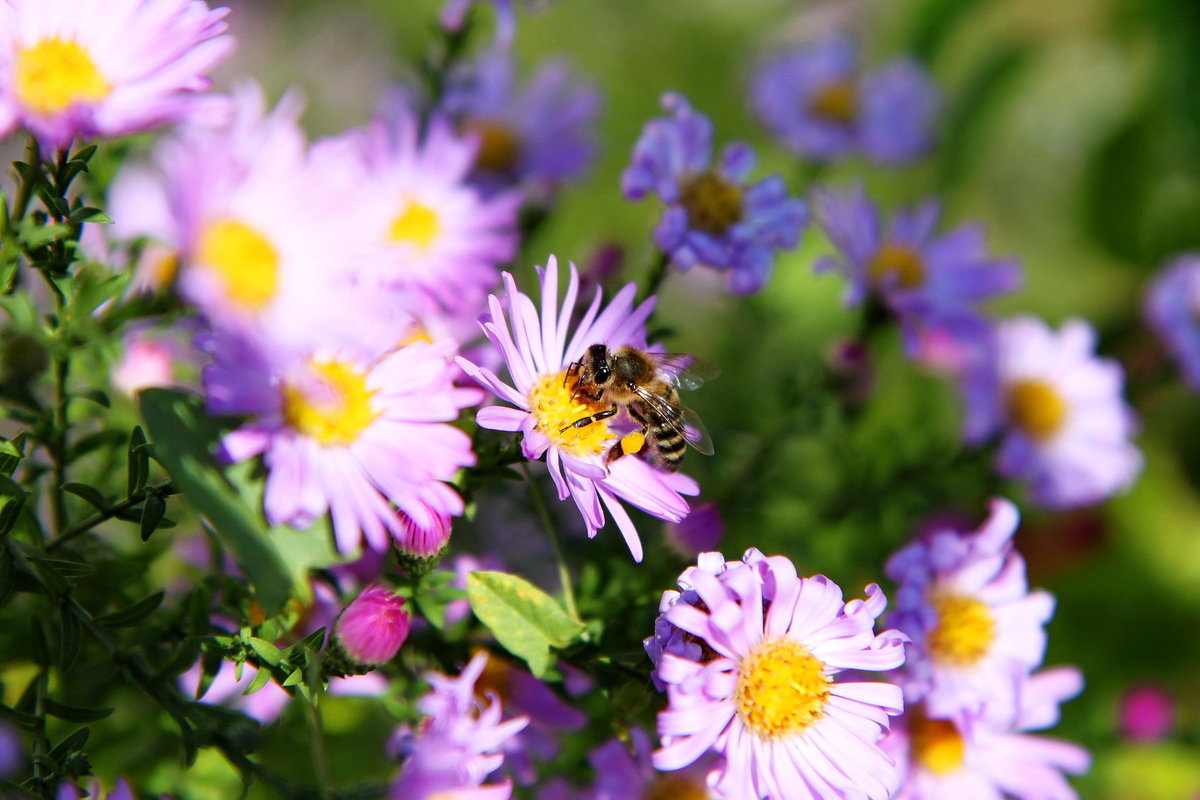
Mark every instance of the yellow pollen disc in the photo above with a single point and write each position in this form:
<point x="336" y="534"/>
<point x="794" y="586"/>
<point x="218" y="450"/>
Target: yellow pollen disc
<point x="417" y="225"/>
<point x="899" y="260"/>
<point x="495" y="678"/>
<point x="712" y="204"/>
<point x="54" y="74"/>
<point x="331" y="404"/>
<point x="499" y="147"/>
<point x="245" y="261"/>
<point x="1036" y="408"/>
<point x="937" y="745"/>
<point x="836" y="102"/>
<point x="553" y="410"/>
<point x="633" y="442"/>
<point x="676" y="787"/>
<point x="163" y="269"/>
<point x="781" y="689"/>
<point x="964" y="632"/>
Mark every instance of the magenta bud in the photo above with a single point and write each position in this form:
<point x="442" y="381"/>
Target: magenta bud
<point x="1147" y="713"/>
<point x="371" y="629"/>
<point x="424" y="540"/>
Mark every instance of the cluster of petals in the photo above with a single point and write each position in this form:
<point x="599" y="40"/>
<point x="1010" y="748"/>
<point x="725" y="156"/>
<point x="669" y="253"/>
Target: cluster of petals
<point x="623" y="773"/>
<point x="713" y="216"/>
<point x="1173" y="311"/>
<point x="71" y="69"/>
<point x="749" y="654"/>
<point x="815" y="100"/>
<point x="538" y="345"/>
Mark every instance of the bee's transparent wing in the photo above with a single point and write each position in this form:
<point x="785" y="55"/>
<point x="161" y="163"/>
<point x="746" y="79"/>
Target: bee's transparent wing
<point x="681" y="418"/>
<point x="685" y="370"/>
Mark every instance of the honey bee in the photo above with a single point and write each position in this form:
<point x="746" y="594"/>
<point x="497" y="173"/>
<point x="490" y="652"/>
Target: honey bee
<point x="646" y="386"/>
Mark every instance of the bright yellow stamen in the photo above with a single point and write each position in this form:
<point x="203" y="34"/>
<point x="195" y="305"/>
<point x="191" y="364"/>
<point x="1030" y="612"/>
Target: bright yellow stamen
<point x="1036" y="408"/>
<point x="417" y="224"/>
<point x="899" y="260"/>
<point x="965" y="630"/>
<point x="331" y="404"/>
<point x="713" y="204"/>
<point x="55" y="74"/>
<point x="936" y="744"/>
<point x="781" y="689"/>
<point x="245" y="260"/>
<point x="836" y="102"/>
<point x="499" y="146"/>
<point x="555" y="413"/>
<point x="633" y="442"/>
<point x="676" y="787"/>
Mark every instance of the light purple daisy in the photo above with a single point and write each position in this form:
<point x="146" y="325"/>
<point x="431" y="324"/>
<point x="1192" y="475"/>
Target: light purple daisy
<point x="714" y="216"/>
<point x="749" y="654"/>
<point x="1173" y="311"/>
<point x="621" y="774"/>
<point x="931" y="281"/>
<point x="977" y="630"/>
<point x="1066" y="427"/>
<point x="816" y="101"/>
<point x="458" y="744"/>
<point x="545" y="409"/>
<point x="72" y="69"/>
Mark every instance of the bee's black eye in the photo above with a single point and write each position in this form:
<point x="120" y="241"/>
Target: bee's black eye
<point x="603" y="373"/>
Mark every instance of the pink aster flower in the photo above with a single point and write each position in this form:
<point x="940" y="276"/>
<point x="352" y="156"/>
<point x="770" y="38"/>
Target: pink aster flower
<point x="72" y="69"/>
<point x="976" y="628"/>
<point x="749" y="654"/>
<point x="538" y="358"/>
<point x="373" y="627"/>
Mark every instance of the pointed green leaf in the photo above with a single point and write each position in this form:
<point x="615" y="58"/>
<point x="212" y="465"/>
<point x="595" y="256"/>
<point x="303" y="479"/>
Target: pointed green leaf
<point x="268" y="652"/>
<point x="153" y="511"/>
<point x="139" y="461"/>
<point x="134" y="614"/>
<point x="19" y="718"/>
<point x="296" y="676"/>
<point x="523" y="618"/>
<point x="74" y="713"/>
<point x="70" y="633"/>
<point x="89" y="493"/>
<point x="261" y="679"/>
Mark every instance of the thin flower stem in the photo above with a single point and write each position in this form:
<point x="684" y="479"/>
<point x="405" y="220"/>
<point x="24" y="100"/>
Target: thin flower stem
<point x="163" y="488"/>
<point x="658" y="273"/>
<point x="543" y="511"/>
<point x="25" y="186"/>
<point x="316" y="737"/>
<point x="58" y="443"/>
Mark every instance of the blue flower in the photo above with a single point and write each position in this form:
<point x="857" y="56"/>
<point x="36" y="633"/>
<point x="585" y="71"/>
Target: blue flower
<point x="1173" y="310"/>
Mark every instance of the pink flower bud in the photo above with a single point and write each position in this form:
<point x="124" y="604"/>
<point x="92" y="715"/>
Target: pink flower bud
<point x="1147" y="713"/>
<point x="371" y="629"/>
<point x="424" y="539"/>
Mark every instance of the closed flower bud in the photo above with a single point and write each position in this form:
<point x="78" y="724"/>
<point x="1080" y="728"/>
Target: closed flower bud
<point x="371" y="629"/>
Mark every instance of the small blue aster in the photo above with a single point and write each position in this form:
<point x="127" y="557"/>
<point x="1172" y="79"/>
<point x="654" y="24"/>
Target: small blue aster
<point x="1173" y="311"/>
<point x="714" y="217"/>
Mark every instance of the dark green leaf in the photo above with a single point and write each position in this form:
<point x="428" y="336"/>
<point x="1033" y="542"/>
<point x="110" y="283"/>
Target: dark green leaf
<point x="134" y="614"/>
<point x="11" y="453"/>
<point x="8" y="572"/>
<point x="88" y="214"/>
<point x="523" y="618"/>
<point x="83" y="155"/>
<point x="49" y="578"/>
<point x="19" y="718"/>
<point x="73" y="743"/>
<point x="68" y="569"/>
<point x="74" y="713"/>
<point x="152" y="513"/>
<point x="70" y="633"/>
<point x="40" y="643"/>
<point x="139" y="461"/>
<point x="97" y="396"/>
<point x="89" y="493"/>
<point x="94" y="441"/>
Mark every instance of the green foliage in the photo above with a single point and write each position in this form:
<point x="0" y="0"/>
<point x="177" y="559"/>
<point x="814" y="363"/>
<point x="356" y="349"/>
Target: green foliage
<point x="524" y="619"/>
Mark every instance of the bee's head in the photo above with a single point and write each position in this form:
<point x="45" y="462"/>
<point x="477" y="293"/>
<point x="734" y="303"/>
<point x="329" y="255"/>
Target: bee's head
<point x="597" y="358"/>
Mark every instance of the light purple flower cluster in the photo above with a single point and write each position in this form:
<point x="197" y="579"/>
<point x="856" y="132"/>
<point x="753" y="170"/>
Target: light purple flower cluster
<point x="1173" y="311"/>
<point x="713" y="216"/>
<point x="971" y="691"/>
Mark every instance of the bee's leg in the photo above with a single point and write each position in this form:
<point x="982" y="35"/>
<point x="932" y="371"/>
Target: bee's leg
<point x="618" y="449"/>
<point x="585" y="421"/>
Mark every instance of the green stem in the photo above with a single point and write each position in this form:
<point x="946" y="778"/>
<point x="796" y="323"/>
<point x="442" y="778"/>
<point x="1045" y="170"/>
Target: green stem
<point x="543" y="512"/>
<point x="162" y="487"/>
<point x="25" y="186"/>
<point x="658" y="273"/>
<point x="316" y="737"/>
<point x="58" y="442"/>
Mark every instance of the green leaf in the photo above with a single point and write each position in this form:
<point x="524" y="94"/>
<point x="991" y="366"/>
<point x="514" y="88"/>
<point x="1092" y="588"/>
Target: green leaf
<point x="72" y="743"/>
<point x="94" y="441"/>
<point x="261" y="679"/>
<point x="70" y="633"/>
<point x="88" y="214"/>
<point x="11" y="453"/>
<point x="153" y="512"/>
<point x="139" y="461"/>
<point x="134" y="614"/>
<point x="7" y="573"/>
<point x="523" y="618"/>
<point x="74" y="713"/>
<point x="89" y="493"/>
<point x="296" y="676"/>
<point x="97" y="396"/>
<point x="19" y="718"/>
<point x="435" y="594"/>
<point x="268" y="652"/>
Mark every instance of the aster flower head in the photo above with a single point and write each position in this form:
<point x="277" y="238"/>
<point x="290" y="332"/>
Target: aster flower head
<point x="72" y="69"/>
<point x="714" y="216"/>
<point x="932" y="282"/>
<point x="373" y="627"/>
<point x="538" y="348"/>
<point x="749" y="654"/>
<point x="1173" y="310"/>
<point x="1059" y="408"/>
<point x="815" y="99"/>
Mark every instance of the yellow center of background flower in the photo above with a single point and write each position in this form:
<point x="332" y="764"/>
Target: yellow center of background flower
<point x="499" y="147"/>
<point x="836" y="102"/>
<point x="417" y="225"/>
<point x="163" y="269"/>
<point x="245" y="261"/>
<point x="553" y="410"/>
<point x="712" y="203"/>
<point x="899" y="260"/>
<point x="1036" y="408"/>
<point x="965" y="629"/>
<point x="676" y="787"/>
<point x="781" y="688"/>
<point x="936" y="744"/>
<point x="496" y="678"/>
<point x="54" y="74"/>
<point x="332" y="404"/>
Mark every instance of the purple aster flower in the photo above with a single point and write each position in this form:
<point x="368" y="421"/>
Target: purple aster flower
<point x="930" y="281"/>
<point x="977" y="630"/>
<point x="121" y="791"/>
<point x="622" y="774"/>
<point x="107" y="69"/>
<point x="1065" y="425"/>
<point x="1173" y="311"/>
<point x="373" y="627"/>
<point x="454" y="16"/>
<point x="749" y="653"/>
<point x="1146" y="713"/>
<point x="457" y="746"/>
<point x="814" y="99"/>
<point x="713" y="215"/>
<point x="546" y="408"/>
<point x="229" y="687"/>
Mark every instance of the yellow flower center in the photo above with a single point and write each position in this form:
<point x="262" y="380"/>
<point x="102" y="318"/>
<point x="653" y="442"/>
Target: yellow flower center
<point x="781" y="689"/>
<point x="1036" y="408"/>
<point x="555" y="413"/>
<point x="55" y="74"/>
<point x="417" y="225"/>
<point x="163" y="268"/>
<point x="330" y="403"/>
<point x="499" y="147"/>
<point x="245" y="261"/>
<point x="936" y="744"/>
<point x="676" y="787"/>
<point x="964" y="632"/>
<point x="836" y="102"/>
<point x="711" y="202"/>
<point x="898" y="260"/>
<point x="496" y="678"/>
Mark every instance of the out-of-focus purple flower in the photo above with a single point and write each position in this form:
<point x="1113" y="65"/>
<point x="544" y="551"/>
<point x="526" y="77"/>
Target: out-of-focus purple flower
<point x="713" y="215"/>
<point x="622" y="774"/>
<point x="121" y="791"/>
<point x="12" y="752"/>
<point x="463" y="565"/>
<point x="265" y="705"/>
<point x="816" y="101"/>
<point x="1173" y="311"/>
<point x="698" y="532"/>
<point x="546" y="407"/>
<point x="930" y="281"/>
<point x="749" y="653"/>
<point x="373" y="627"/>
<point x="1146" y="713"/>
<point x="454" y="16"/>
<point x="107" y="69"/>
<point x="155" y="357"/>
